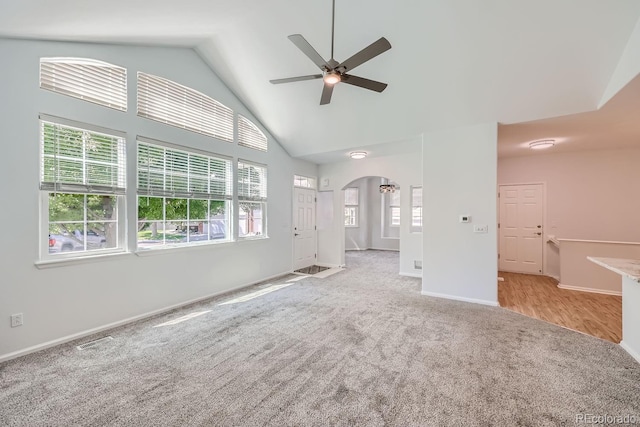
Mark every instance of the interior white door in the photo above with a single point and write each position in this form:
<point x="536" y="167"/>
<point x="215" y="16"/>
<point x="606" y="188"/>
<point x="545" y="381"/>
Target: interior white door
<point x="521" y="229"/>
<point x="304" y="227"/>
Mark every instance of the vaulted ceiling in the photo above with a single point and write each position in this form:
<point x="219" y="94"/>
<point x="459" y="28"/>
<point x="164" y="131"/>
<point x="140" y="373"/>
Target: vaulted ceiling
<point x="453" y="62"/>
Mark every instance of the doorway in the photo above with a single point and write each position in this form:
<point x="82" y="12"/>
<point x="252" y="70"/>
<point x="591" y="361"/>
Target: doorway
<point x="372" y="217"/>
<point x="304" y="227"/>
<point x="521" y="228"/>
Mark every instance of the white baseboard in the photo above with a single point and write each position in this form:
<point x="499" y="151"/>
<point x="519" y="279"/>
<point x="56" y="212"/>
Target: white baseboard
<point x="631" y="351"/>
<point x="325" y="264"/>
<point x="591" y="290"/>
<point x="372" y="249"/>
<point x="553" y="277"/>
<point x="65" y="339"/>
<point x="457" y="298"/>
<point x="411" y="274"/>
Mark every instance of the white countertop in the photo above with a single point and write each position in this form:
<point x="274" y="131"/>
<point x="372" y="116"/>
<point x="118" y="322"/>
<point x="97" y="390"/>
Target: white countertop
<point x="625" y="267"/>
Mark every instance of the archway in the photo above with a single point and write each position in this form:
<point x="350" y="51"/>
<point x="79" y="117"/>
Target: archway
<point x="372" y="214"/>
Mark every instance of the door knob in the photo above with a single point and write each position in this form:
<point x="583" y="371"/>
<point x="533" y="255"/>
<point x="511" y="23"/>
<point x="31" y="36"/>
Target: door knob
<point x="539" y="226"/>
<point x="296" y="234"/>
<point x="538" y="233"/>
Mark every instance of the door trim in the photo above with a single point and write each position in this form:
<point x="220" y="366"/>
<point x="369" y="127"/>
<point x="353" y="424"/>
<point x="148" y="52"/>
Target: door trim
<point x="544" y="220"/>
<point x="315" y="232"/>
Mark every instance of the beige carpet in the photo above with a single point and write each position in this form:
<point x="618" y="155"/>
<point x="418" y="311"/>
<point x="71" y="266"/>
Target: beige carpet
<point x="362" y="347"/>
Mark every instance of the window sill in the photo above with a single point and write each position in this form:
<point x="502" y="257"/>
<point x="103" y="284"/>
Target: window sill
<point x="249" y="238"/>
<point x="63" y="262"/>
<point x="161" y="250"/>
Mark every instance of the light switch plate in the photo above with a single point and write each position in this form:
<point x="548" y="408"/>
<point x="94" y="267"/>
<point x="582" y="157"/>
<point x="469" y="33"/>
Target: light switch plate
<point x="480" y="228"/>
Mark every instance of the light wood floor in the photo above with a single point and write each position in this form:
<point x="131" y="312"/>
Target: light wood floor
<point x="540" y="298"/>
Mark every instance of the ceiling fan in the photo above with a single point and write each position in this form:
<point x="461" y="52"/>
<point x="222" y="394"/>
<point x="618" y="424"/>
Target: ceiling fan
<point x="334" y="72"/>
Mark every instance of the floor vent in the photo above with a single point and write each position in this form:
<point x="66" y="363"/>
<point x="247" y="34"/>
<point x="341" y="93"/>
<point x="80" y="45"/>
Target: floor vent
<point x="311" y="270"/>
<point x="94" y="343"/>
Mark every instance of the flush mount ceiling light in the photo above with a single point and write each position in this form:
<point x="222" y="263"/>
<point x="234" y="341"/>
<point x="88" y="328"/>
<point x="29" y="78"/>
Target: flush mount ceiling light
<point x="542" y="144"/>
<point x="357" y="155"/>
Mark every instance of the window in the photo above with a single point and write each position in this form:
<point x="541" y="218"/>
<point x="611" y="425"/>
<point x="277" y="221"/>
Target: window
<point x="82" y="183"/>
<point x="304" y="181"/>
<point x="87" y="79"/>
<point x="249" y="135"/>
<point x="184" y="197"/>
<point x="416" y="209"/>
<point x="351" y="202"/>
<point x="252" y="199"/>
<point x="168" y="102"/>
<point x="394" y="208"/>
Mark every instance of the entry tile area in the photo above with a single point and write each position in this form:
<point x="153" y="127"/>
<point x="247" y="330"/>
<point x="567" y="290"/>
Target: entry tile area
<point x="539" y="297"/>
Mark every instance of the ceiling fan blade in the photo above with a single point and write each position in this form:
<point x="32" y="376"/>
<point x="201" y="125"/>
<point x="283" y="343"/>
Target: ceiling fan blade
<point x="327" y="91"/>
<point x="296" y="79"/>
<point x="308" y="50"/>
<point x="364" y="83"/>
<point x="374" y="49"/>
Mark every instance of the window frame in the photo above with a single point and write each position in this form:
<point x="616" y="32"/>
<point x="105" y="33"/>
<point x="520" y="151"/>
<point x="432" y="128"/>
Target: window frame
<point x="250" y="136"/>
<point x="354" y="210"/>
<point x="75" y="77"/>
<point x="171" y="194"/>
<point x="44" y="194"/>
<point x="261" y="200"/>
<point x="219" y="118"/>
<point x="416" y="228"/>
<point x="299" y="180"/>
<point x="392" y="206"/>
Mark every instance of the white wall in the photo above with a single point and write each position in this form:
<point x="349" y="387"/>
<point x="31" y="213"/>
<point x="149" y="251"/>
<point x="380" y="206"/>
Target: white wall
<point x="590" y="195"/>
<point x="459" y="177"/>
<point x="70" y="299"/>
<point x="405" y="169"/>
<point x="382" y="236"/>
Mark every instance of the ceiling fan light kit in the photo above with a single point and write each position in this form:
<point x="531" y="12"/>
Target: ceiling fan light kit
<point x="334" y="72"/>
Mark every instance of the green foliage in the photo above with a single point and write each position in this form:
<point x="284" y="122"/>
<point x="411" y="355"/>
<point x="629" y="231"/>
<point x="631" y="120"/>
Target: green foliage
<point x="150" y="209"/>
<point x="65" y="207"/>
<point x="79" y="157"/>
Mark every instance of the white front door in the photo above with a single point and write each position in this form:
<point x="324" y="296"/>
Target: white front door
<point x="304" y="227"/>
<point x="521" y="233"/>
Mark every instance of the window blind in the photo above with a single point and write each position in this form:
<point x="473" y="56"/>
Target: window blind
<point x="249" y="135"/>
<point x="416" y="208"/>
<point x="351" y="196"/>
<point x="168" y="102"/>
<point x="169" y="172"/>
<point x="252" y="181"/>
<point x="94" y="81"/>
<point x="81" y="161"/>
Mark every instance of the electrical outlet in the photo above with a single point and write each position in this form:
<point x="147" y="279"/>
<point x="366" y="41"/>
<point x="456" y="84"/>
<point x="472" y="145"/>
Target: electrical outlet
<point x="16" y="320"/>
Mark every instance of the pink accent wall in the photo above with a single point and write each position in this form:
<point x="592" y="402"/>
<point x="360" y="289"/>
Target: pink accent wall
<point x="591" y="195"/>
